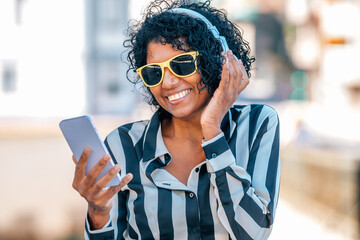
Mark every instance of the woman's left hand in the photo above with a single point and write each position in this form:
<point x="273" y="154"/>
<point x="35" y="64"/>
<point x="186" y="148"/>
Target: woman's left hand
<point x="233" y="81"/>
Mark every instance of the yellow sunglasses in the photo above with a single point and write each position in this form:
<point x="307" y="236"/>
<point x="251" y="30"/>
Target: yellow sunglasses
<point x="182" y="65"/>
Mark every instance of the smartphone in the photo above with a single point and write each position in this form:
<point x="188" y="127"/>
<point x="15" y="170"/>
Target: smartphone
<point x="80" y="132"/>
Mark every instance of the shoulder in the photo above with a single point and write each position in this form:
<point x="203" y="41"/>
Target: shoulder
<point x="253" y="116"/>
<point x="254" y="111"/>
<point x="121" y="142"/>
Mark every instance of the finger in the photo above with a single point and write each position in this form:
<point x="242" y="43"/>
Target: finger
<point x="81" y="164"/>
<point x="245" y="79"/>
<point x="107" y="177"/>
<point x="243" y="70"/>
<point x="96" y="170"/>
<point x="235" y="76"/>
<point x="236" y="73"/>
<point x="224" y="75"/>
<point x="74" y="159"/>
<point x="111" y="191"/>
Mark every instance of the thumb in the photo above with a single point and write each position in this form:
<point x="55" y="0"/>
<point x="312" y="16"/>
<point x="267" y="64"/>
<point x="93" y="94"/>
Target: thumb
<point x="74" y="159"/>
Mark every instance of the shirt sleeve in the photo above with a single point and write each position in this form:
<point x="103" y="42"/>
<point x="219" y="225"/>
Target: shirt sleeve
<point x="108" y="231"/>
<point x="247" y="195"/>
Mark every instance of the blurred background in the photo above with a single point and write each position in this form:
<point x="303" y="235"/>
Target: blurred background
<point x="61" y="59"/>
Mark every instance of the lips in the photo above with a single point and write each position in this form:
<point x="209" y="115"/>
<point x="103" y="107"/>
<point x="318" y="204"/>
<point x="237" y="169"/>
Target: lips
<point x="179" y="95"/>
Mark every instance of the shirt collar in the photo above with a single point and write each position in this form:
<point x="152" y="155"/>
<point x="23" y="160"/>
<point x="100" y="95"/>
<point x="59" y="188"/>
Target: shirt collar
<point x="154" y="146"/>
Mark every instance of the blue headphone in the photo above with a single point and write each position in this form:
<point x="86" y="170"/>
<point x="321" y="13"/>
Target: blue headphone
<point x="212" y="28"/>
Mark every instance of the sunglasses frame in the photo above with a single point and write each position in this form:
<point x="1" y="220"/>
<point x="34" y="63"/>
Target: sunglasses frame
<point x="162" y="65"/>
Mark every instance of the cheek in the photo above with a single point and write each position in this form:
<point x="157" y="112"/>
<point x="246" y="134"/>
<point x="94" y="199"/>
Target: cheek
<point x="204" y="94"/>
<point x="194" y="79"/>
<point x="155" y="92"/>
<point x="200" y="84"/>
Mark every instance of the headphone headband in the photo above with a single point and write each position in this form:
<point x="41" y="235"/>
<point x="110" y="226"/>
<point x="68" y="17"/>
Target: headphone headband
<point x="212" y="28"/>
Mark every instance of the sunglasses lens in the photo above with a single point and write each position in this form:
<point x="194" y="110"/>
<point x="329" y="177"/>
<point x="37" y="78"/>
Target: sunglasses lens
<point x="183" y="65"/>
<point x="151" y="74"/>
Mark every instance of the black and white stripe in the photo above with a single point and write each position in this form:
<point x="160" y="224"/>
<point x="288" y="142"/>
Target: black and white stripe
<point x="231" y="195"/>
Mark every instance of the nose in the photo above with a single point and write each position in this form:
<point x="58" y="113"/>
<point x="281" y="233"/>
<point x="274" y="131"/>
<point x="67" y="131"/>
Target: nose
<point x="170" y="80"/>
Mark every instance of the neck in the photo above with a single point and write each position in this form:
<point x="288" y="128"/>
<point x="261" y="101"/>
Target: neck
<point x="186" y="129"/>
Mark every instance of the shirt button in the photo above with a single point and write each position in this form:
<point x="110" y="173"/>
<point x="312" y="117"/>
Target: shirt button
<point x="214" y="155"/>
<point x="194" y="229"/>
<point x="191" y="195"/>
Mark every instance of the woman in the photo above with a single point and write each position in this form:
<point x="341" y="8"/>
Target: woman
<point x="201" y="168"/>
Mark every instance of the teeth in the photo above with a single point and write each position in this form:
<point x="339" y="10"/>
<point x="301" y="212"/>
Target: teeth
<point x="178" y="95"/>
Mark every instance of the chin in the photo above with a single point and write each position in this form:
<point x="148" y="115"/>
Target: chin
<point x="185" y="113"/>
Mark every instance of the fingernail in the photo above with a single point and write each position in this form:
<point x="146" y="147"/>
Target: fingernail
<point x="117" y="167"/>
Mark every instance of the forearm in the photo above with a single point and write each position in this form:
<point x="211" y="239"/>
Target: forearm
<point x="244" y="213"/>
<point x="243" y="209"/>
<point x="247" y="190"/>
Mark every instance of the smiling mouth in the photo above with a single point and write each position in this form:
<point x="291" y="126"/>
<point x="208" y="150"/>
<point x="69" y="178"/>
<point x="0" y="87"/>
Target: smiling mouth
<point x="179" y="95"/>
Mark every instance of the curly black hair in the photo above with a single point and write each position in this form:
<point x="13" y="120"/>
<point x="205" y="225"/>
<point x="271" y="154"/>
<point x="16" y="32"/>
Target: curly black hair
<point x="165" y="27"/>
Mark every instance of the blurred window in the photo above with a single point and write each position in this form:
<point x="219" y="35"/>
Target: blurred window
<point x="110" y="14"/>
<point x="18" y="11"/>
<point x="9" y="77"/>
<point x="109" y="76"/>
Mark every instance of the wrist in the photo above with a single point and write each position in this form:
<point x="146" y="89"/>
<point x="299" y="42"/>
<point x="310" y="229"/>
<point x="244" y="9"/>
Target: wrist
<point x="97" y="218"/>
<point x="210" y="132"/>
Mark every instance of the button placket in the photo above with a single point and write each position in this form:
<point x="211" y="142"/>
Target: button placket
<point x="192" y="212"/>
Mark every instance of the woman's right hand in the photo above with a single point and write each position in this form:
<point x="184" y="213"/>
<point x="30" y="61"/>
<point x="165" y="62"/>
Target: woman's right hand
<point x="98" y="198"/>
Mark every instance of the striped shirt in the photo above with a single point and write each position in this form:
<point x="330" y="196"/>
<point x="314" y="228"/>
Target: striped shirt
<point x="231" y="195"/>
